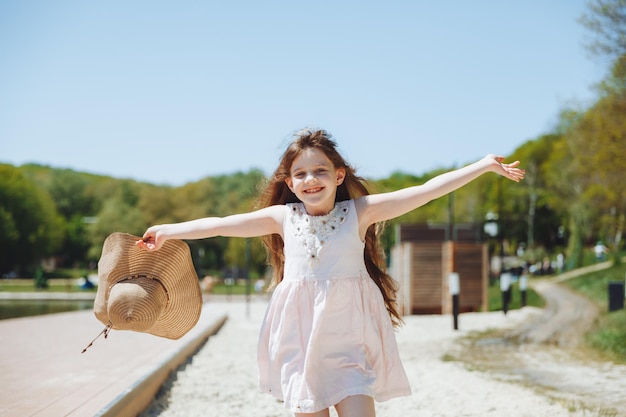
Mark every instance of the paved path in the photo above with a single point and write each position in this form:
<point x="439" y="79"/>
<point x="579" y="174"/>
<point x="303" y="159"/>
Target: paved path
<point x="567" y="316"/>
<point x="547" y="351"/>
<point x="44" y="374"/>
<point x="565" y="320"/>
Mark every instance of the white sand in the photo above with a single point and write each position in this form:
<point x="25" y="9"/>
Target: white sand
<point x="221" y="379"/>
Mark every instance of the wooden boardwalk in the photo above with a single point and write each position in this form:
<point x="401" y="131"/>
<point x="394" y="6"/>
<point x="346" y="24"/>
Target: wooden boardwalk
<point x="44" y="374"/>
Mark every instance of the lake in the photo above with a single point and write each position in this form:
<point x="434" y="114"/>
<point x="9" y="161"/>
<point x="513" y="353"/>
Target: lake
<point x="23" y="308"/>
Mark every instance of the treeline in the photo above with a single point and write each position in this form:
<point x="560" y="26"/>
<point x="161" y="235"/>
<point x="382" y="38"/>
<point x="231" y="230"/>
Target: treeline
<point x="65" y="215"/>
<point x="572" y="196"/>
<point x="61" y="214"/>
<point x="574" y="193"/>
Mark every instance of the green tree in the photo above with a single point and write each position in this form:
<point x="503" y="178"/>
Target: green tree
<point x="30" y="226"/>
<point x="119" y="213"/>
<point x="72" y="194"/>
<point x="157" y="204"/>
<point x="566" y="185"/>
<point x="598" y="141"/>
<point x="69" y="189"/>
<point x="221" y="196"/>
<point x="246" y="253"/>
<point x="543" y="216"/>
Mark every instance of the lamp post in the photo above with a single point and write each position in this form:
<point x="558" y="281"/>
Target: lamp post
<point x="505" y="288"/>
<point x="491" y="229"/>
<point x="454" y="285"/>
<point x="505" y="278"/>
<point x="523" y="286"/>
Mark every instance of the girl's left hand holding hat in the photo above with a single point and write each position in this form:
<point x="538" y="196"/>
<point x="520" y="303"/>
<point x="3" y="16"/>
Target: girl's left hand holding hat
<point x="145" y="291"/>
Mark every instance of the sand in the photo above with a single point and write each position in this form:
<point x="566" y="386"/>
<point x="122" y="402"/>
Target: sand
<point x="221" y="378"/>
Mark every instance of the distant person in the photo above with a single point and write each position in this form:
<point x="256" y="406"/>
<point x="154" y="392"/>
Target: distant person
<point x="259" y="285"/>
<point x="600" y="251"/>
<point x="328" y="334"/>
<point x="208" y="282"/>
<point x="85" y="283"/>
<point x="546" y="267"/>
<point x="560" y="262"/>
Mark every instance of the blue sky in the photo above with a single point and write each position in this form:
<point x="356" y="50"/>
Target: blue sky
<point x="169" y="92"/>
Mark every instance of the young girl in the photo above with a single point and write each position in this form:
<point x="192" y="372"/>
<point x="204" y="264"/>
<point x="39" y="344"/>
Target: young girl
<point x="327" y="338"/>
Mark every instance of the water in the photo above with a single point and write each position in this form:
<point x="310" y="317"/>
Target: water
<point x="23" y="308"/>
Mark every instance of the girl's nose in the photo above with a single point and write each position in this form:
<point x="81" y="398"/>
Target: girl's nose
<point x="310" y="177"/>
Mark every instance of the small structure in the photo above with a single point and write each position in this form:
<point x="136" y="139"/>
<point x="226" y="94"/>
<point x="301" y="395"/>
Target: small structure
<point x="424" y="257"/>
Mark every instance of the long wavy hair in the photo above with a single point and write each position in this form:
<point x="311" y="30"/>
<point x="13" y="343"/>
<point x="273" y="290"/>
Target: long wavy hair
<point x="275" y="191"/>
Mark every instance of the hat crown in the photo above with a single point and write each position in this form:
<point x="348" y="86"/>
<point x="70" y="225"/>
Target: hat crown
<point x="136" y="303"/>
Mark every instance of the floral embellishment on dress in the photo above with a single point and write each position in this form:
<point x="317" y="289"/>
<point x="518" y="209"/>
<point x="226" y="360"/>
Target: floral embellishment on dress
<point x="313" y="231"/>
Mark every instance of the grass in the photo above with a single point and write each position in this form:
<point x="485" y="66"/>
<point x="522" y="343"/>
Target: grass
<point x="238" y="289"/>
<point x="30" y="287"/>
<point x="608" y="337"/>
<point x="495" y="301"/>
<point x="609" y="334"/>
<point x="54" y="285"/>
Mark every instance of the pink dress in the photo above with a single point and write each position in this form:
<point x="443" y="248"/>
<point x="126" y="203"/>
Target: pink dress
<point x="327" y="334"/>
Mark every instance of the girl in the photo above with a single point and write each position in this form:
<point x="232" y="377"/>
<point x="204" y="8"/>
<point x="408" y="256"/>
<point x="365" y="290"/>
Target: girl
<point x="327" y="338"/>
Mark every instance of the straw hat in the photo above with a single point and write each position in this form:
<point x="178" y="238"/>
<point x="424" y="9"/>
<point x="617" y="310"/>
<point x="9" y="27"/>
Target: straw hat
<point x="152" y="292"/>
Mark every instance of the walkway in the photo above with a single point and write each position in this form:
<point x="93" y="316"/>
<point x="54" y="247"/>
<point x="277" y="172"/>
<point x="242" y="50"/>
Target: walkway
<point x="44" y="374"/>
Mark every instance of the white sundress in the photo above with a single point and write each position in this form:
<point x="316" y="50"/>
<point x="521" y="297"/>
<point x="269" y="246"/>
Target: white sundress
<point x="327" y="334"/>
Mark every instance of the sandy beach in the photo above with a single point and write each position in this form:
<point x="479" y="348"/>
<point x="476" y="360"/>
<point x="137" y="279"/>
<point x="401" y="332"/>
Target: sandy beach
<point x="221" y="378"/>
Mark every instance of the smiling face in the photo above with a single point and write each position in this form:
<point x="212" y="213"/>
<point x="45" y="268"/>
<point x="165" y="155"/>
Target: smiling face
<point x="314" y="180"/>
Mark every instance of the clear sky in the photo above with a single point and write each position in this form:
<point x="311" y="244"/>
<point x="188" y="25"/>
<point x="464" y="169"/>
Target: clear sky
<point x="170" y="92"/>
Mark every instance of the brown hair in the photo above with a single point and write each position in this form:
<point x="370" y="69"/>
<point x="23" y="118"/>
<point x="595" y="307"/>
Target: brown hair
<point x="276" y="191"/>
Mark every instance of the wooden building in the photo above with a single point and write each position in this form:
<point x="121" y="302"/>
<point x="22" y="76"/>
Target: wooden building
<point x="423" y="259"/>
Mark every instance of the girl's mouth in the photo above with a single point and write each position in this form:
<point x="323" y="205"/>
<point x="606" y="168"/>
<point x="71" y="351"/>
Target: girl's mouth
<point x="313" y="190"/>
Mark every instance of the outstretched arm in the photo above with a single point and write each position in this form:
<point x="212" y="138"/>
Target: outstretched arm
<point x="256" y="223"/>
<point x="380" y="207"/>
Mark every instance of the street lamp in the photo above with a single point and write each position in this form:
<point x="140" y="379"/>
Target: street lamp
<point x="491" y="229"/>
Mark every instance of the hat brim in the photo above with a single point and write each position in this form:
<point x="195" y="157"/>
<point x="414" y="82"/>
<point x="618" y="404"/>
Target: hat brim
<point x="171" y="265"/>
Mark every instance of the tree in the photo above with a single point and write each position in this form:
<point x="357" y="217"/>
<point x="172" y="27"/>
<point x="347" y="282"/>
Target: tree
<point x="116" y="216"/>
<point x="30" y="226"/>
<point x="598" y="142"/>
<point x="543" y="214"/>
<point x="244" y="253"/>
<point x="119" y="213"/>
<point x="607" y="19"/>
<point x="157" y="204"/>
<point x="71" y="193"/>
